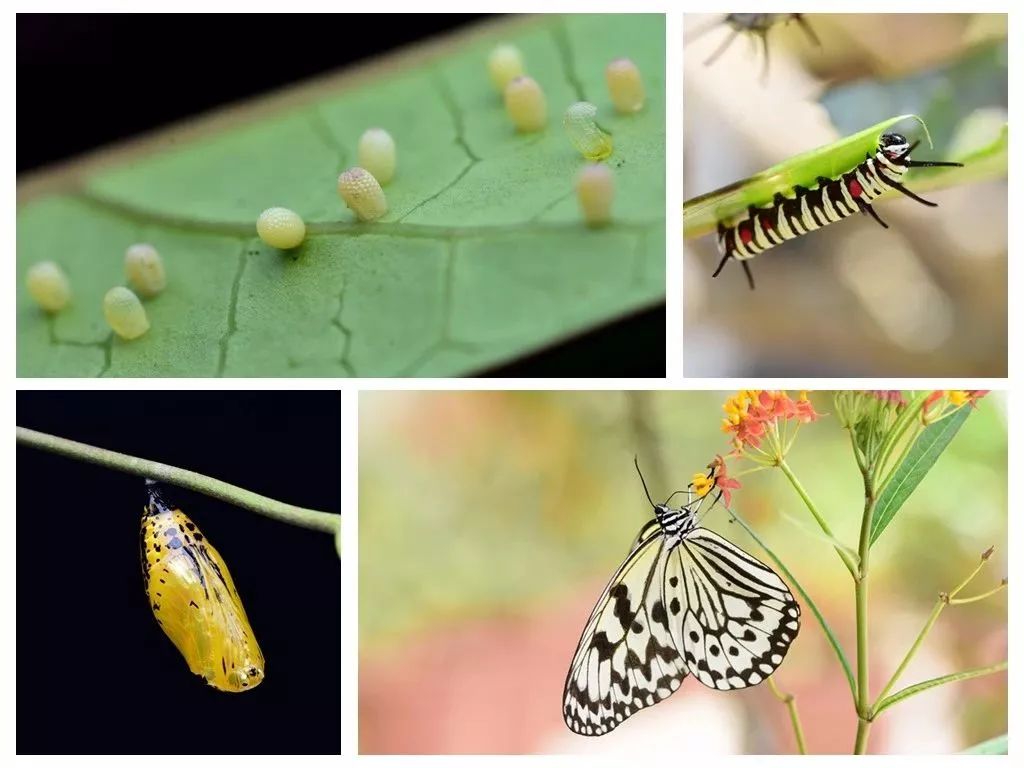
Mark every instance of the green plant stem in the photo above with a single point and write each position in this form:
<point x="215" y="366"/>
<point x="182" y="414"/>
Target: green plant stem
<point x="861" y="595"/>
<point x="940" y="605"/>
<point x="851" y="566"/>
<point x="286" y="513"/>
<point x="794" y="716"/>
<point x="913" y="690"/>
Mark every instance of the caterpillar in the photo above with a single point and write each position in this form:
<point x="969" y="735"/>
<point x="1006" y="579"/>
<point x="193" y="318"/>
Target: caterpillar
<point x="194" y="599"/>
<point x="756" y="24"/>
<point x="830" y="201"/>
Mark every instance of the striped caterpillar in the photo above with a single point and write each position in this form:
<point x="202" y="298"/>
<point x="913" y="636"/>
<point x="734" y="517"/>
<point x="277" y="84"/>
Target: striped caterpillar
<point x="830" y="201"/>
<point x="194" y="599"/>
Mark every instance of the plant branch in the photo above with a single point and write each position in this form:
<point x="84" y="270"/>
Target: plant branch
<point x="861" y="596"/>
<point x="848" y="561"/>
<point x="912" y="690"/>
<point x="903" y="421"/>
<point x="940" y="604"/>
<point x="218" y="489"/>
<point x="794" y="717"/>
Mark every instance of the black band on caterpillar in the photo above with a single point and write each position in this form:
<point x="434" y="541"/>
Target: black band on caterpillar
<point x="830" y="201"/>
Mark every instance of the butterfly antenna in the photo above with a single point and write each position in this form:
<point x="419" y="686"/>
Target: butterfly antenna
<point x="636" y="463"/>
<point x="674" y="493"/>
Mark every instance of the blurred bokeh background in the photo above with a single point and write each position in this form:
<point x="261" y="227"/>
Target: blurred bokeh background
<point x="489" y="522"/>
<point x="927" y="296"/>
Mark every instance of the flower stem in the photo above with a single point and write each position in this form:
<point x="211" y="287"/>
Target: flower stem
<point x="802" y="492"/>
<point x="903" y="421"/>
<point x="218" y="489"/>
<point x="861" y="594"/>
<point x="794" y="717"/>
<point x="940" y="604"/>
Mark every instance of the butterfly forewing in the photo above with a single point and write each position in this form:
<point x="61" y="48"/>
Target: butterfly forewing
<point x="696" y="604"/>
<point x="625" y="660"/>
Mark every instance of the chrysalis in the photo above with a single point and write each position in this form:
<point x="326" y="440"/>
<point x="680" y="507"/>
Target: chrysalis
<point x="194" y="599"/>
<point x="584" y="132"/>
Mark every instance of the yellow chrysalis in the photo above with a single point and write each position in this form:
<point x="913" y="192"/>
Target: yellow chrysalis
<point x="194" y="599"/>
<point x="625" y="86"/>
<point x="584" y="132"/>
<point x="362" y="193"/>
<point x="525" y="104"/>
<point x="145" y="269"/>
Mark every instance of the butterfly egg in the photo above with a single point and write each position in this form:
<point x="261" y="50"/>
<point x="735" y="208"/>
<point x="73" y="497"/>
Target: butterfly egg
<point x="584" y="132"/>
<point x="125" y="313"/>
<point x="525" y="104"/>
<point x="145" y="269"/>
<point x="625" y="86"/>
<point x="281" y="228"/>
<point x="48" y="285"/>
<point x="595" y="189"/>
<point x="504" y="65"/>
<point x="361" y="192"/>
<point x="377" y="154"/>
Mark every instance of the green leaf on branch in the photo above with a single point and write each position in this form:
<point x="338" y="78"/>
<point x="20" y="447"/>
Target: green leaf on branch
<point x="912" y="690"/>
<point x="926" y="450"/>
<point x="482" y="258"/>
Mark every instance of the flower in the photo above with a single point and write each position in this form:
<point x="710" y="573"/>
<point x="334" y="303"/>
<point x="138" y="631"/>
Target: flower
<point x="723" y="482"/>
<point x="950" y="400"/>
<point x="702" y="483"/>
<point x="754" y="415"/>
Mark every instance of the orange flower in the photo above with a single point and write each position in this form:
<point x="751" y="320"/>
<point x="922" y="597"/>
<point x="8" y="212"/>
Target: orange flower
<point x="750" y="413"/>
<point x="722" y="481"/>
<point x="954" y="400"/>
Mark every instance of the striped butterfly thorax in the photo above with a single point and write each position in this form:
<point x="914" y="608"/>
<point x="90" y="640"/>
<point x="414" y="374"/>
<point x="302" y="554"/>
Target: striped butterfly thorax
<point x="829" y="201"/>
<point x="194" y="599"/>
<point x="684" y="602"/>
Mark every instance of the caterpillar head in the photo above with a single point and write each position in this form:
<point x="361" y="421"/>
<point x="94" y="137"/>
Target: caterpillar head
<point x="241" y="679"/>
<point x="893" y="145"/>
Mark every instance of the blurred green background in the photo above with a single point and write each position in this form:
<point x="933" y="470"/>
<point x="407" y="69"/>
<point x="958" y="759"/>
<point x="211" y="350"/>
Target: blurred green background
<point x="490" y="521"/>
<point x="926" y="296"/>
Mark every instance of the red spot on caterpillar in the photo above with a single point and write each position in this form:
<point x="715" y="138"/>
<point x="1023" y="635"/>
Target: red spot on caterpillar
<point x="746" y="233"/>
<point x="766" y="223"/>
<point x="855" y="188"/>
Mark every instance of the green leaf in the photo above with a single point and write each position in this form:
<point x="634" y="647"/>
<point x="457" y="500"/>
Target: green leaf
<point x="923" y="454"/>
<point x="481" y="259"/>
<point x="996" y="746"/>
<point x="702" y="214"/>
<point x="912" y="690"/>
<point x="829" y="634"/>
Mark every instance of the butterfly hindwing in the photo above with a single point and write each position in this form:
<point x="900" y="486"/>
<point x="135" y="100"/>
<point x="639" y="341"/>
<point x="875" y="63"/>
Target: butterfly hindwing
<point x="741" y="616"/>
<point x="626" y="659"/>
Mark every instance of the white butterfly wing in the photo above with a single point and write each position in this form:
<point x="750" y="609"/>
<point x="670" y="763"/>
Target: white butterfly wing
<point x="626" y="659"/>
<point x="736" y="618"/>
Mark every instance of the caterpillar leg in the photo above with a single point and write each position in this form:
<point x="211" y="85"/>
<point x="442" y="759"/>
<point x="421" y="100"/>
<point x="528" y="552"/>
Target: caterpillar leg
<point x="720" y="265"/>
<point x="899" y="187"/>
<point x="867" y="208"/>
<point x="806" y="27"/>
<point x="750" y="275"/>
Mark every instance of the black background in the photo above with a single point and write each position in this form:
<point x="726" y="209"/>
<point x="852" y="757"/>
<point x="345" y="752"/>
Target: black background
<point x="95" y="672"/>
<point x="89" y="80"/>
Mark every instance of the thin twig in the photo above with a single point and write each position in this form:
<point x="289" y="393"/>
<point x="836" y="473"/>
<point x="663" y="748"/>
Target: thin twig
<point x="794" y="717"/>
<point x="218" y="489"/>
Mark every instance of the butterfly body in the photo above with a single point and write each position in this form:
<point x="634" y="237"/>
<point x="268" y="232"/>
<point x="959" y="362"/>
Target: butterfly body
<point x="194" y="599"/>
<point x="685" y="601"/>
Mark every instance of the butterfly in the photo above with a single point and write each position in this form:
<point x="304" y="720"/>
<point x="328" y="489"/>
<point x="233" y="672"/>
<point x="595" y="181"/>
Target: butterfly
<point x="194" y="598"/>
<point x="685" y="601"/>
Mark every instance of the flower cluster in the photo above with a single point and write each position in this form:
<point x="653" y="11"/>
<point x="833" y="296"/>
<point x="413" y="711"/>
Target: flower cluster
<point x="943" y="402"/>
<point x="757" y="416"/>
